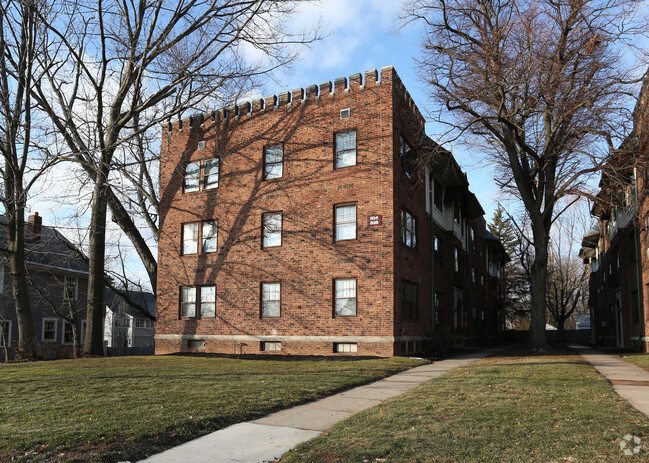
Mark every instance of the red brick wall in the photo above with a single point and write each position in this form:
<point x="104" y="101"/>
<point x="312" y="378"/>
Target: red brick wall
<point x="309" y="259"/>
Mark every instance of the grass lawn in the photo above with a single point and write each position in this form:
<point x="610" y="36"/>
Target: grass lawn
<point x="501" y="409"/>
<point x="642" y="360"/>
<point x="125" y="408"/>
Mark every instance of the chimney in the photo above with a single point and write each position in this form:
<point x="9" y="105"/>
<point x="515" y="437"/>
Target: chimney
<point x="34" y="226"/>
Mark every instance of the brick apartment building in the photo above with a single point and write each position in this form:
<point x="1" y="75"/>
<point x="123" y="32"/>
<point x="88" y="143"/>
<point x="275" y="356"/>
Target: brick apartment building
<point x="617" y="247"/>
<point x="306" y="223"/>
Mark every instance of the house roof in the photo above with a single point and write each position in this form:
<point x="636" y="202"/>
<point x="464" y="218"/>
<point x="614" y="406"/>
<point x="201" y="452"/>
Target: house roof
<point x="49" y="250"/>
<point x="143" y="299"/>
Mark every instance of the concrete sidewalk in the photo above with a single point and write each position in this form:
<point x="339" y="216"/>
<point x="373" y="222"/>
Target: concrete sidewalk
<point x="269" y="437"/>
<point x="628" y="380"/>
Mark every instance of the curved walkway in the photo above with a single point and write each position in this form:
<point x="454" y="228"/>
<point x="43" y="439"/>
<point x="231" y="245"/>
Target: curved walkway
<point x="628" y="380"/>
<point x="269" y="437"/>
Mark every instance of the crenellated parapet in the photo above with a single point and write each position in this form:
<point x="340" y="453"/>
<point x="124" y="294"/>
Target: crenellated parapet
<point x="341" y="87"/>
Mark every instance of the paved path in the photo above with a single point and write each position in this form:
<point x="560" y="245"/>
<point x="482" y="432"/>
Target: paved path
<point x="269" y="437"/>
<point x="628" y="380"/>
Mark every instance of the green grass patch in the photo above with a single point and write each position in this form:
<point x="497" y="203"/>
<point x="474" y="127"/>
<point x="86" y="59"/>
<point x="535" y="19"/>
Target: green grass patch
<point x="126" y="408"/>
<point x="501" y="409"/>
<point x="642" y="360"/>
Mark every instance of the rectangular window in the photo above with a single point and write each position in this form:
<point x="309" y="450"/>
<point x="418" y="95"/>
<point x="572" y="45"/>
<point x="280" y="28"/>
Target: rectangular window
<point x="5" y="333"/>
<point x="48" y="333"/>
<point x="273" y="162"/>
<point x="473" y="275"/>
<point x="457" y="259"/>
<point x="188" y="302"/>
<point x="345" y="347"/>
<point x="204" y="296"/>
<point x="437" y="246"/>
<point x="202" y="175"/>
<point x="345" y="222"/>
<point x="409" y="302"/>
<point x="200" y="232"/>
<point x="408" y="229"/>
<point x="208" y="301"/>
<point x="472" y="237"/>
<point x="457" y="213"/>
<point x="192" y="177"/>
<point x="271" y="346"/>
<point x="68" y="335"/>
<point x="209" y="236"/>
<point x="140" y="323"/>
<point x="438" y="307"/>
<point x="439" y="193"/>
<point x="345" y="149"/>
<point x="271" y="299"/>
<point x="70" y="289"/>
<point x="345" y="298"/>
<point x="272" y="223"/>
<point x="407" y="158"/>
<point x="211" y="173"/>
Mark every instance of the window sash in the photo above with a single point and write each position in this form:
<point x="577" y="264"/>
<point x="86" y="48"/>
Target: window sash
<point x="271" y="299"/>
<point x="409" y="300"/>
<point x="408" y="229"/>
<point x="67" y="333"/>
<point x="208" y="301"/>
<point x="209" y="238"/>
<point x="272" y="230"/>
<point x="49" y="330"/>
<point x="190" y="238"/>
<point x="273" y="162"/>
<point x="345" y="223"/>
<point x="192" y="177"/>
<point x="346" y="149"/>
<point x="188" y="302"/>
<point x="345" y="297"/>
<point x="211" y="173"/>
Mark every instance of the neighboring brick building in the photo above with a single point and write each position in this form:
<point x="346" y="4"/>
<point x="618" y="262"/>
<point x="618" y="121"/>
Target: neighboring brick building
<point x="617" y="248"/>
<point x="300" y="224"/>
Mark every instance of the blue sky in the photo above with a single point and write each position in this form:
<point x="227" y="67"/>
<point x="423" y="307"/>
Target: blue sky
<point x="364" y="35"/>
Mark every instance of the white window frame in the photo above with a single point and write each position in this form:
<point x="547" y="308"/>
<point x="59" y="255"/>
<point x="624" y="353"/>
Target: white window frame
<point x="342" y="225"/>
<point x="345" y="347"/>
<point x="210" y="179"/>
<point x="190" y="237"/>
<point x="188" y="295"/>
<point x="64" y="324"/>
<point x="204" y="302"/>
<point x="75" y="281"/>
<point x="193" y="174"/>
<point x="56" y="329"/>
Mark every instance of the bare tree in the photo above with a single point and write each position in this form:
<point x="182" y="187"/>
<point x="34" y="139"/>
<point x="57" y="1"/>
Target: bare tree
<point x="121" y="68"/>
<point x="567" y="283"/>
<point x="542" y="88"/>
<point x="21" y="40"/>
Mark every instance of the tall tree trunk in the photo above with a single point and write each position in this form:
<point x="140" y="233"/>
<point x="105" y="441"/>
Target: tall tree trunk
<point x="15" y="228"/>
<point x="538" y="278"/>
<point x="94" y="342"/>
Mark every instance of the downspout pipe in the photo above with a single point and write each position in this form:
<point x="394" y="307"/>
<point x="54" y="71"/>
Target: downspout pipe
<point x="636" y="239"/>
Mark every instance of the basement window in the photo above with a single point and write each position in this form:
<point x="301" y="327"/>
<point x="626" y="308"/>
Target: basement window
<point x="271" y="346"/>
<point x="345" y="347"/>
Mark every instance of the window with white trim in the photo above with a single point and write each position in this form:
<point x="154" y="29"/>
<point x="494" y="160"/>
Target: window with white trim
<point x="345" y="218"/>
<point x="140" y="323"/>
<point x="49" y="330"/>
<point x="273" y="162"/>
<point x="70" y="289"/>
<point x="271" y="346"/>
<point x="272" y="225"/>
<point x="345" y="297"/>
<point x="271" y="300"/>
<point x="67" y="336"/>
<point x="197" y="302"/>
<point x="345" y="149"/>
